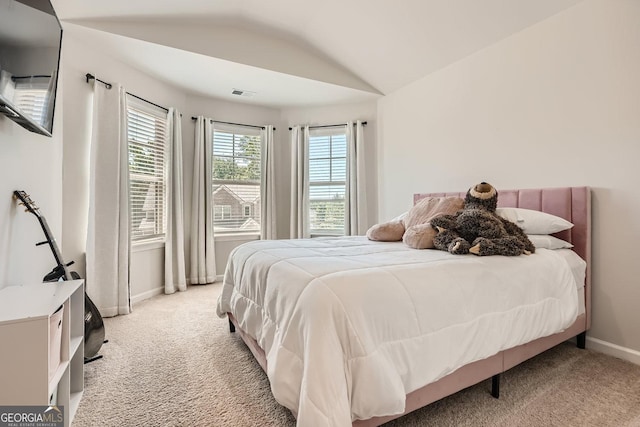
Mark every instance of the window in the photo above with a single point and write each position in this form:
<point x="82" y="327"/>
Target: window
<point x="221" y="212"/>
<point x="327" y="176"/>
<point x="146" y="134"/>
<point x="236" y="179"/>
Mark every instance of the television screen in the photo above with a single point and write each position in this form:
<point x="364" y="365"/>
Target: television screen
<point x="30" y="41"/>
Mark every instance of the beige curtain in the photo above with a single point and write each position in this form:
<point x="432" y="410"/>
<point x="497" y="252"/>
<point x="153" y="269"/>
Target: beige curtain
<point x="203" y="261"/>
<point x="175" y="278"/>
<point x="356" y="191"/>
<point x="268" y="186"/>
<point x="108" y="239"/>
<point x="299" y="218"/>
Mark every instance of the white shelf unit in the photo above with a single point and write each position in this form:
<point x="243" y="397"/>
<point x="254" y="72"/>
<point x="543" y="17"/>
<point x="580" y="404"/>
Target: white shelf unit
<point x="24" y="336"/>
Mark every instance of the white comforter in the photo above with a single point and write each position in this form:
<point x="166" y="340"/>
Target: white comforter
<point x="350" y="326"/>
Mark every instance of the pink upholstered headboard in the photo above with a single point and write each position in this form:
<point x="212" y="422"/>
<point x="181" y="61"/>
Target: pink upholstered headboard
<point x="570" y="203"/>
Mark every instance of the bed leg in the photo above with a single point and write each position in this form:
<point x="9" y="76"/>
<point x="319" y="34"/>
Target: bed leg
<point x="581" y="340"/>
<point x="495" y="386"/>
<point x="232" y="327"/>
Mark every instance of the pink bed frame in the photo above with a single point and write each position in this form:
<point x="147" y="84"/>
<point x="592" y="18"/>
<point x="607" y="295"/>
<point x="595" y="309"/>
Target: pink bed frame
<point x="571" y="203"/>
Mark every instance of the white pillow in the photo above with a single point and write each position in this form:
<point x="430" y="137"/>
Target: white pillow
<point x="534" y="222"/>
<point x="544" y="241"/>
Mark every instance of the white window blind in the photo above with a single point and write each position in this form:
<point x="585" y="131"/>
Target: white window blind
<point x="31" y="97"/>
<point x="327" y="177"/>
<point x="147" y="133"/>
<point x="236" y="179"/>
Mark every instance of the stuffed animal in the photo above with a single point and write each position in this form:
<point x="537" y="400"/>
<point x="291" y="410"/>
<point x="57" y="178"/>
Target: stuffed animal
<point x="414" y="227"/>
<point x="477" y="229"/>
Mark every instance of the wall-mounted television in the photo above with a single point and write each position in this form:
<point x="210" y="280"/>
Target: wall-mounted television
<point x="30" y="43"/>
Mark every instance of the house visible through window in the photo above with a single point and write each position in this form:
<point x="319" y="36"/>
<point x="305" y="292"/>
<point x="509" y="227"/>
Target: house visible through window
<point x="146" y="133"/>
<point x="327" y="177"/>
<point x="236" y="179"/>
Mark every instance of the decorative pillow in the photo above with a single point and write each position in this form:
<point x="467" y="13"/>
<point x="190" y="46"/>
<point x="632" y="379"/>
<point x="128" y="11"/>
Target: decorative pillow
<point x="534" y="222"/>
<point x="391" y="231"/>
<point x="413" y="227"/>
<point x="427" y="208"/>
<point x="544" y="241"/>
<point x="419" y="234"/>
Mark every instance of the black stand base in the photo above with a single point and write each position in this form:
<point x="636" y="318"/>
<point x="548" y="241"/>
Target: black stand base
<point x="232" y="327"/>
<point x="581" y="340"/>
<point x="495" y="386"/>
<point x="91" y="359"/>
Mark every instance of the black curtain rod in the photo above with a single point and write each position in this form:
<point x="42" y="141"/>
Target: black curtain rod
<point x="149" y="102"/>
<point x="90" y="76"/>
<point x="236" y="124"/>
<point x="109" y="86"/>
<point x="331" y="126"/>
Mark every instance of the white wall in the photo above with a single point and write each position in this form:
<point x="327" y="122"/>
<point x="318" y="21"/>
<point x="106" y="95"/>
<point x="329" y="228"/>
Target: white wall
<point x="32" y="163"/>
<point x="554" y="105"/>
<point x="147" y="264"/>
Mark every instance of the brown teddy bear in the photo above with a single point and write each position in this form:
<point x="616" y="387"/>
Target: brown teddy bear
<point x="477" y="229"/>
<point x="414" y="228"/>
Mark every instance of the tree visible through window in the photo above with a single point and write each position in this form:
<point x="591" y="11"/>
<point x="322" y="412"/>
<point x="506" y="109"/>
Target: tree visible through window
<point x="327" y="177"/>
<point x="236" y="179"/>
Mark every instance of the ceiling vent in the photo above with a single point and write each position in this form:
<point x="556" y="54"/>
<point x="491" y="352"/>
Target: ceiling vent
<point x="240" y="92"/>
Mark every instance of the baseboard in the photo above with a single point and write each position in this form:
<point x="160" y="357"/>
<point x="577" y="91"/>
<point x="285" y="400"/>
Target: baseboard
<point x="219" y="277"/>
<point x="615" y="350"/>
<point x="146" y="295"/>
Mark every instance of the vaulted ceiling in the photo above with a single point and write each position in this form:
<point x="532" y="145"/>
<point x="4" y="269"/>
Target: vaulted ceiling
<point x="297" y="52"/>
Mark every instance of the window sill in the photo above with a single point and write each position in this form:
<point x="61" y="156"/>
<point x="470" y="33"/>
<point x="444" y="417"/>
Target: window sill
<point x="236" y="237"/>
<point x="147" y="245"/>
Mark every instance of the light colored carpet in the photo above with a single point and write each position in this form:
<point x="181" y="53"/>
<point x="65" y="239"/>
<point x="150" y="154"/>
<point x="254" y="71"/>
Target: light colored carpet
<point x="173" y="362"/>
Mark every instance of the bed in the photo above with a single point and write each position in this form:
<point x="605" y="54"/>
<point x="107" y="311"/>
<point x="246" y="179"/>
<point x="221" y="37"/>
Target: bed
<point x="351" y="331"/>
